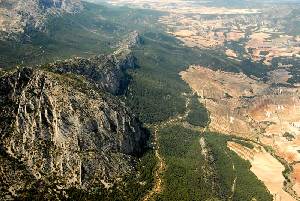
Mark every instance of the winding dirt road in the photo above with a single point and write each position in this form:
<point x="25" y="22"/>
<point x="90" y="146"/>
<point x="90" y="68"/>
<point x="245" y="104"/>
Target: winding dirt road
<point x="161" y="165"/>
<point x="159" y="170"/>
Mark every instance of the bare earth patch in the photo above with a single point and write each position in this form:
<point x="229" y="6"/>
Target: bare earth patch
<point x="262" y="46"/>
<point x="247" y="107"/>
<point x="296" y="177"/>
<point x="221" y="92"/>
<point x="188" y="22"/>
<point x="265" y="167"/>
<point x="230" y="53"/>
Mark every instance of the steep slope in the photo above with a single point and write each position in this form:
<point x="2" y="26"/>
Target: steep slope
<point x="57" y="130"/>
<point x="106" y="72"/>
<point x="63" y="127"/>
<point x="18" y="17"/>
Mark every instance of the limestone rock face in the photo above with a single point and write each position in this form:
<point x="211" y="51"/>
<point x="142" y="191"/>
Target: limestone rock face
<point x="60" y="127"/>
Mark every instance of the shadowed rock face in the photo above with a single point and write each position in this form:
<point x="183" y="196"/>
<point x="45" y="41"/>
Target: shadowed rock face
<point x="60" y="127"/>
<point x="65" y="5"/>
<point x="45" y="4"/>
<point x="105" y="72"/>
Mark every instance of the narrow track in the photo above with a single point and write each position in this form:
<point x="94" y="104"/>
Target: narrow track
<point x="234" y="180"/>
<point x="159" y="170"/>
<point x="161" y="165"/>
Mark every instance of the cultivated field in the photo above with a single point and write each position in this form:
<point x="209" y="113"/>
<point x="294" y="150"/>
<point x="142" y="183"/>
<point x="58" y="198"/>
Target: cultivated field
<point x="265" y="167"/>
<point x="246" y="107"/>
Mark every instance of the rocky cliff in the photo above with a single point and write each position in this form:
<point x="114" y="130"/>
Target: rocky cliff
<point x="58" y="128"/>
<point x="17" y="18"/>
<point x="62" y="125"/>
<point x="106" y="72"/>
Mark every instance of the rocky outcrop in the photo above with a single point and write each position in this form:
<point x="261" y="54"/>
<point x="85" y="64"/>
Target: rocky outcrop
<point x="134" y="39"/>
<point x="106" y="72"/>
<point x="58" y="126"/>
<point x="20" y="17"/>
<point x="69" y="6"/>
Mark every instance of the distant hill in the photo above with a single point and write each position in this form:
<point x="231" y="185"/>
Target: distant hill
<point x="17" y="17"/>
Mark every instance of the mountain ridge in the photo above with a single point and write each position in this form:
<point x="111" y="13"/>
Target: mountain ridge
<point x="62" y="125"/>
<point x="18" y="18"/>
